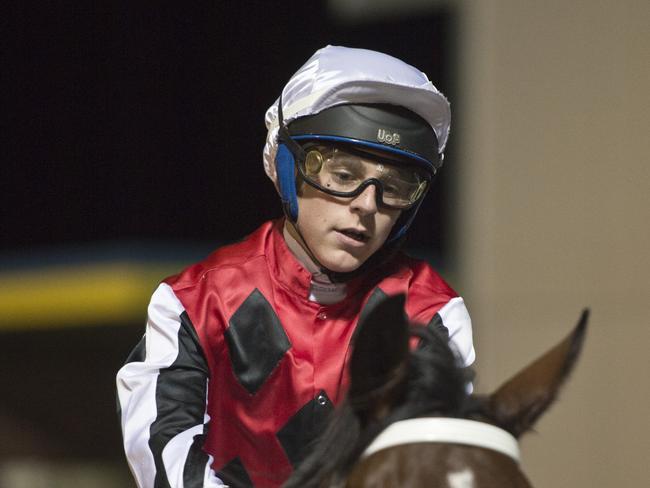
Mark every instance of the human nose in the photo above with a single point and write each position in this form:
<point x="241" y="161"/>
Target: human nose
<point x="366" y="201"/>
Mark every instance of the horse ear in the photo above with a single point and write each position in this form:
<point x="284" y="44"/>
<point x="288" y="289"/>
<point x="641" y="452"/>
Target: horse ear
<point x="381" y="348"/>
<point x="519" y="402"/>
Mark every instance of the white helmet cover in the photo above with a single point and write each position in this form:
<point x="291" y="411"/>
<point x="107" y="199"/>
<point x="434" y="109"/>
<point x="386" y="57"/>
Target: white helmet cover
<point x="337" y="75"/>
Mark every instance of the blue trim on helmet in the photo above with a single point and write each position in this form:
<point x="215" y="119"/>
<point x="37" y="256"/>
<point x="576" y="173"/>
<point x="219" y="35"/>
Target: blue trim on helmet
<point x="373" y="145"/>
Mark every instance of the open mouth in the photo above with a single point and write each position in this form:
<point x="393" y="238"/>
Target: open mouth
<point x="357" y="236"/>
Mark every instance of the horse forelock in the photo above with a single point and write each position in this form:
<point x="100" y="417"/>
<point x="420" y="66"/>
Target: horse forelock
<point x="436" y="378"/>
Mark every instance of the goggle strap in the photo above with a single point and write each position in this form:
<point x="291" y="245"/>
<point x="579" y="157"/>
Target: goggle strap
<point x="284" y="136"/>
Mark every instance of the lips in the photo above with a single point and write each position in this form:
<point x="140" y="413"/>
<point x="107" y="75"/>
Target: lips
<point x="356" y="235"/>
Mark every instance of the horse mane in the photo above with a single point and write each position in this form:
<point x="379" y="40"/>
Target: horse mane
<point x="431" y="383"/>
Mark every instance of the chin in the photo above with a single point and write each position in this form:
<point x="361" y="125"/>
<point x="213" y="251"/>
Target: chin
<point x="344" y="264"/>
<point x="342" y="269"/>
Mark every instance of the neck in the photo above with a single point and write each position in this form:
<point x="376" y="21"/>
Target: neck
<point x="323" y="290"/>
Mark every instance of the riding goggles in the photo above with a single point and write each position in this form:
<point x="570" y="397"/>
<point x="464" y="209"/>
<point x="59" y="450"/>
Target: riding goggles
<point x="344" y="173"/>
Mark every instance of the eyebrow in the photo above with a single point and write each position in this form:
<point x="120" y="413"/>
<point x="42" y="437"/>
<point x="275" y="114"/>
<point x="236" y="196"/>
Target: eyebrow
<point x="390" y="169"/>
<point x="349" y="159"/>
<point x="394" y="172"/>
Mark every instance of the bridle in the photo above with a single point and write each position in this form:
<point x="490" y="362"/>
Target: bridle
<point x="445" y="430"/>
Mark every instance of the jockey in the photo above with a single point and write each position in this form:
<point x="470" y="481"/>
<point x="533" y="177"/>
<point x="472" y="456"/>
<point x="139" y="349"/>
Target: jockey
<point x="244" y="353"/>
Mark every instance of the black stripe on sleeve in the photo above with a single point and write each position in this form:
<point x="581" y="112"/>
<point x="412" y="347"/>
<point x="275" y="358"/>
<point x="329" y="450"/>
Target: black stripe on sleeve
<point x="436" y="325"/>
<point x="136" y="355"/>
<point x="194" y="469"/>
<point x="180" y="401"/>
<point x="138" y="352"/>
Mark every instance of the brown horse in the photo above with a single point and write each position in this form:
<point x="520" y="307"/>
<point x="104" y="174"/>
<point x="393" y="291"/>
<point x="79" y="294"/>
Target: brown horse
<point x="409" y="422"/>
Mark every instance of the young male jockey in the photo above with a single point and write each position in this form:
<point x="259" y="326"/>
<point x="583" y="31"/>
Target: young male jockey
<point x="244" y="353"/>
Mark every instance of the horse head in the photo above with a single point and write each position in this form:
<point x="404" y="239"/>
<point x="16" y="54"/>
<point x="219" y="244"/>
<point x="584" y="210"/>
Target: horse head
<point x="400" y="372"/>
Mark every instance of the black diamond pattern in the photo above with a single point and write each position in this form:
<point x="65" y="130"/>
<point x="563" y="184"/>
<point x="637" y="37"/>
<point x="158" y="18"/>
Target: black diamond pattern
<point x="299" y="433"/>
<point x="436" y="325"/>
<point x="256" y="341"/>
<point x="235" y="475"/>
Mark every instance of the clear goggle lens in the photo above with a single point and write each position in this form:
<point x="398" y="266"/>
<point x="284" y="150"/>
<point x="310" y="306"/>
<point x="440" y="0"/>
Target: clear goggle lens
<point x="341" y="173"/>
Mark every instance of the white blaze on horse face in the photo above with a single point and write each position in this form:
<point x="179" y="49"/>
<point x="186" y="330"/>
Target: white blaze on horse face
<point x="461" y="479"/>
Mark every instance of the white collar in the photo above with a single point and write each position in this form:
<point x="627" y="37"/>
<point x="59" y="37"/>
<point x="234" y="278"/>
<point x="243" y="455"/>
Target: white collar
<point x="446" y="430"/>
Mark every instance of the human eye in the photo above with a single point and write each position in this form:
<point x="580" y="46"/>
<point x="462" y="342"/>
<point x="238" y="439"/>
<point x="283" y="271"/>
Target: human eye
<point x="397" y="192"/>
<point x="392" y="190"/>
<point x="393" y="186"/>
<point x="343" y="176"/>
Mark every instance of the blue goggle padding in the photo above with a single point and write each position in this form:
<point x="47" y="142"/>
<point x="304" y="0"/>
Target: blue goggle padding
<point x="285" y="168"/>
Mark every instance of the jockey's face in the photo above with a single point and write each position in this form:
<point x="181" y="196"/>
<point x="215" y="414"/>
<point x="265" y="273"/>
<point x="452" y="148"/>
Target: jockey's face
<point x="341" y="232"/>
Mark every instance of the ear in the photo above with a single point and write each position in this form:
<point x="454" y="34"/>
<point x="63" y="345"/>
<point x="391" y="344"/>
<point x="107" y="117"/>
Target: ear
<point x="378" y="362"/>
<point x="518" y="403"/>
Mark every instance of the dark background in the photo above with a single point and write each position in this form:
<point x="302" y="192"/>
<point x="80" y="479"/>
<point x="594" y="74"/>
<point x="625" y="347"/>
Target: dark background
<point x="130" y="122"/>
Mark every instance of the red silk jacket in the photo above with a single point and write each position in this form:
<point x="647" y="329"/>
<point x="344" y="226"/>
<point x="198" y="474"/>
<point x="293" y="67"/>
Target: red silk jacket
<point x="238" y="370"/>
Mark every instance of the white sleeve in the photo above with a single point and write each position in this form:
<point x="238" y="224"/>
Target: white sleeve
<point x="162" y="395"/>
<point x="456" y="319"/>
